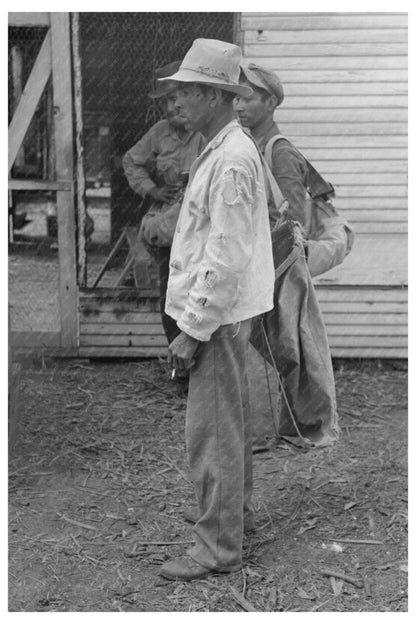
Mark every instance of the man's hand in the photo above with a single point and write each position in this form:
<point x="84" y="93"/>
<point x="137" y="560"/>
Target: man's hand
<point x="163" y="193"/>
<point x="182" y="351"/>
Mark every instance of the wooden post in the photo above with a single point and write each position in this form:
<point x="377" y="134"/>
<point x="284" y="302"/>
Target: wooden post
<point x="80" y="185"/>
<point x="17" y="73"/>
<point x="14" y="369"/>
<point x="62" y="102"/>
<point x="237" y="32"/>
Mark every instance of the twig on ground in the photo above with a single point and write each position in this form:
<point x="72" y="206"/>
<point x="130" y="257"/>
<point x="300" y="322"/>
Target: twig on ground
<point x="266" y="524"/>
<point x="355" y="541"/>
<point x="76" y="542"/>
<point x="314" y="501"/>
<point x="247" y="606"/>
<point x="155" y="385"/>
<point x="295" y="513"/>
<point x="119" y="574"/>
<point x="86" y="479"/>
<point x="173" y="465"/>
<point x="363" y="426"/>
<point x="340" y="575"/>
<point x="367" y="587"/>
<point x="89" y="392"/>
<point x="157" y="543"/>
<point x="244" y="582"/>
<point x="129" y="593"/>
<point x="80" y="524"/>
<point x="23" y="468"/>
<point x="270" y="521"/>
<point x="321" y="485"/>
<point x="291" y="445"/>
<point x="318" y="606"/>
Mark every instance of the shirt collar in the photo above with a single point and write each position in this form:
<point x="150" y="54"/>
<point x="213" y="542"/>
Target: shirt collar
<point x="267" y="134"/>
<point x="175" y="135"/>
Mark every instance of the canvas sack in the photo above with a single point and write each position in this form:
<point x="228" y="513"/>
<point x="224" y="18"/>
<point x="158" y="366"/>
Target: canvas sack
<point x="329" y="235"/>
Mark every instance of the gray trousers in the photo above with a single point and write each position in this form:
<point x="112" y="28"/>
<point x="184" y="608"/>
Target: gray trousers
<point x="218" y="440"/>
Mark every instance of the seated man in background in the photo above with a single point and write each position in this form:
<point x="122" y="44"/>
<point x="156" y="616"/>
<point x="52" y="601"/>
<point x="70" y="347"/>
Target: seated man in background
<point x="156" y="167"/>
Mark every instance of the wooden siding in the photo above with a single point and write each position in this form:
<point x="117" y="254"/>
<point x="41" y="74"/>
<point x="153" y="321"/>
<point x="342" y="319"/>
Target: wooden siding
<point x="376" y="261"/>
<point x="361" y="322"/>
<point x="364" y="300"/>
<point x="365" y="322"/>
<point x="345" y="107"/>
<point x="120" y="323"/>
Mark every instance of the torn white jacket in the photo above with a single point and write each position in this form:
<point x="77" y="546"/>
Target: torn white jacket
<point x="221" y="268"/>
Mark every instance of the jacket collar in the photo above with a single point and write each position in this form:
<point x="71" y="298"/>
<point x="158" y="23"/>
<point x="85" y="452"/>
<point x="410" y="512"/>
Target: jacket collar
<point x="213" y="144"/>
<point x="219" y="138"/>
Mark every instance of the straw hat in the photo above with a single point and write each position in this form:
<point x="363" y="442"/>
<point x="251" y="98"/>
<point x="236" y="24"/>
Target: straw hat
<point x="212" y="62"/>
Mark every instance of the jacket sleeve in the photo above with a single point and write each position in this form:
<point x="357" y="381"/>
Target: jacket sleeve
<point x="138" y="162"/>
<point x="290" y="172"/>
<point x="227" y="252"/>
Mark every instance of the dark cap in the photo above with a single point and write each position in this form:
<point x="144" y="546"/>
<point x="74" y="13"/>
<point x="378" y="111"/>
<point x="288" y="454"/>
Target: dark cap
<point x="263" y="79"/>
<point x="165" y="88"/>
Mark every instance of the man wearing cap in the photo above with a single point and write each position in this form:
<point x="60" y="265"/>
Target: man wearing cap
<point x="221" y="276"/>
<point x="289" y="169"/>
<point x="154" y="167"/>
<point x="292" y="174"/>
<point x="256" y="113"/>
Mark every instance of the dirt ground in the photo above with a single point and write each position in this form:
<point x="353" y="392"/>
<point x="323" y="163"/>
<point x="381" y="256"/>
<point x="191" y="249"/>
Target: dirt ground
<point x="98" y="482"/>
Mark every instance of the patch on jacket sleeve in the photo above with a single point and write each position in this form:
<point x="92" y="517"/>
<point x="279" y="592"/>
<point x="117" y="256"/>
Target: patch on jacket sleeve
<point x="235" y="187"/>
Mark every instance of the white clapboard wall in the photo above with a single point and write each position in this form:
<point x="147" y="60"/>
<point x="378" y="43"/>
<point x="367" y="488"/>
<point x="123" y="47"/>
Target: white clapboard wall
<point x="345" y="108"/>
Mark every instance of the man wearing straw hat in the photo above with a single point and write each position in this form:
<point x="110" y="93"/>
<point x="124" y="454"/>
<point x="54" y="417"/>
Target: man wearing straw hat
<point x="221" y="276"/>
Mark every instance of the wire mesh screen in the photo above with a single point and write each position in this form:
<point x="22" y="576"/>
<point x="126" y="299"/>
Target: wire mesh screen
<point x="119" y="53"/>
<point x="33" y="262"/>
<point x="34" y="158"/>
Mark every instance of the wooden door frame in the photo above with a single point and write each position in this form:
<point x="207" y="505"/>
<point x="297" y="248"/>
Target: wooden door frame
<point x="54" y="59"/>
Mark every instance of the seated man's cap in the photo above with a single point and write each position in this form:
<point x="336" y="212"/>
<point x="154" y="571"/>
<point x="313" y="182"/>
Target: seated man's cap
<point x="263" y="79"/>
<point x="212" y="62"/>
<point x="163" y="89"/>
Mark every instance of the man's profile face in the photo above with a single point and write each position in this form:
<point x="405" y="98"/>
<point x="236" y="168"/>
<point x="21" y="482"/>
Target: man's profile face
<point x="254" y="109"/>
<point x="171" y="111"/>
<point x="193" y="105"/>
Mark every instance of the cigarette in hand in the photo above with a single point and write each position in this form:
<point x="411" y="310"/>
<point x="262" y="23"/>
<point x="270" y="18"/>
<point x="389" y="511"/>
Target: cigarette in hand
<point x="173" y="374"/>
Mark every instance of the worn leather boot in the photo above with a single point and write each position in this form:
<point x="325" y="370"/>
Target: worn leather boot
<point x="184" y="569"/>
